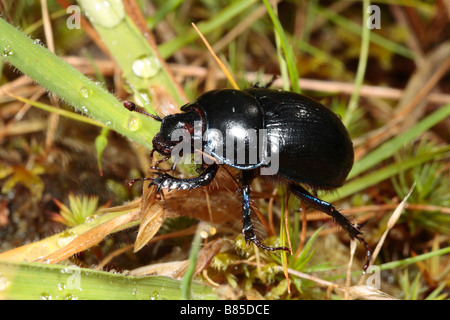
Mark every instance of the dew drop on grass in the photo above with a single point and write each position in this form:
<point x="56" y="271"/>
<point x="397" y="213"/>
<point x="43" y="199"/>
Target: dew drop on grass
<point x="133" y="123"/>
<point x="106" y="14"/>
<point x="46" y="296"/>
<point x="84" y="109"/>
<point x="3" y="282"/>
<point x="7" y="52"/>
<point x="61" y="286"/>
<point x="155" y="295"/>
<point x="146" y="67"/>
<point x="84" y="92"/>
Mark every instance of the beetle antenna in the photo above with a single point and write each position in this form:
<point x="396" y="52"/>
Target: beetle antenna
<point x="132" y="107"/>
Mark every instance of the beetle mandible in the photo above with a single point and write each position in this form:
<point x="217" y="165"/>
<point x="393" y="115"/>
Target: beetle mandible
<point x="309" y="142"/>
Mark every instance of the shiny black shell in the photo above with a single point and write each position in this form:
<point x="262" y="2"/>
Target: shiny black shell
<point x="314" y="147"/>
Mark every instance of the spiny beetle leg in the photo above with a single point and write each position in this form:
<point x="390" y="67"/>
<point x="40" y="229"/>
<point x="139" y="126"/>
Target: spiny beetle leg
<point x="327" y="208"/>
<point x="247" y="228"/>
<point x="166" y="181"/>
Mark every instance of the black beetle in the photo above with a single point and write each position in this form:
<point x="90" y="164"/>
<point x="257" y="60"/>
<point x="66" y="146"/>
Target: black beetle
<point x="309" y="142"/>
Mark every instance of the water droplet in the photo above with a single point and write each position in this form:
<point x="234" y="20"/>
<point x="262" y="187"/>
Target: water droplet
<point x="37" y="41"/>
<point x="3" y="282"/>
<point x="84" y="109"/>
<point x="146" y="67"/>
<point x="7" y="52"/>
<point x="45" y="296"/>
<point x="91" y="218"/>
<point x="107" y="14"/>
<point x="143" y="98"/>
<point x="84" y="92"/>
<point x="133" y="123"/>
<point x="61" y="286"/>
<point x="154" y="296"/>
<point x="134" y="291"/>
<point x="65" y="239"/>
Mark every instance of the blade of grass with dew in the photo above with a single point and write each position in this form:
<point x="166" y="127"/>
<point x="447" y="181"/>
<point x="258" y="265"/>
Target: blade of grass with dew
<point x="388" y="148"/>
<point x="26" y="281"/>
<point x="362" y="64"/>
<point x="140" y="64"/>
<point x="287" y="48"/>
<point x="72" y="86"/>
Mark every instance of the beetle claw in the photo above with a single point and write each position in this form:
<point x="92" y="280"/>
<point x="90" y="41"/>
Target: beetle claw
<point x="268" y="248"/>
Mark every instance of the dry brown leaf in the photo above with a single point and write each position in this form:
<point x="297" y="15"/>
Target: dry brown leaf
<point x="207" y="253"/>
<point x="174" y="269"/>
<point x="89" y="238"/>
<point x="151" y="215"/>
<point x="368" y="293"/>
<point x="151" y="220"/>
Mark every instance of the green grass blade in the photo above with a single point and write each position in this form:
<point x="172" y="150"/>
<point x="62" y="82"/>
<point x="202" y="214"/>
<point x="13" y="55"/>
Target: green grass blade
<point x="35" y="281"/>
<point x="362" y="64"/>
<point x="306" y="253"/>
<point x="186" y="287"/>
<point x="387" y="149"/>
<point x="61" y="112"/>
<point x="72" y="86"/>
<point x="384" y="173"/>
<point x="138" y="60"/>
<point x="411" y="260"/>
<point x="287" y="48"/>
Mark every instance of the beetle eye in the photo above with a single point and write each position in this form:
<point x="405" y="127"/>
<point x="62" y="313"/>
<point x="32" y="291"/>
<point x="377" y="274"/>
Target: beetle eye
<point x="189" y="127"/>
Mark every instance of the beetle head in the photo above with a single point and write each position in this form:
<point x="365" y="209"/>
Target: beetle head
<point x="173" y="127"/>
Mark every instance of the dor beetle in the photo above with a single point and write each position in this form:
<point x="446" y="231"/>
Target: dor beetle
<point x="308" y="142"/>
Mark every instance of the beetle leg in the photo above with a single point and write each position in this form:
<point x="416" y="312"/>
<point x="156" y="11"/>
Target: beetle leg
<point x="327" y="208"/>
<point x="166" y="181"/>
<point x="247" y="228"/>
<point x="155" y="167"/>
